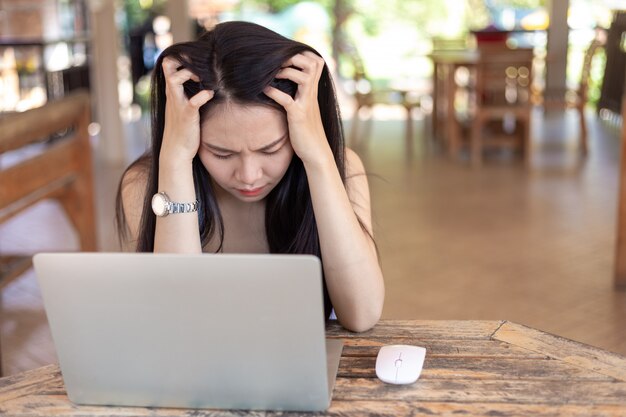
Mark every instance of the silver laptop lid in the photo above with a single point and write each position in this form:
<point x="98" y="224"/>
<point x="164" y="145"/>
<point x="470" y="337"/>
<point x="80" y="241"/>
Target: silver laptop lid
<point x="197" y="331"/>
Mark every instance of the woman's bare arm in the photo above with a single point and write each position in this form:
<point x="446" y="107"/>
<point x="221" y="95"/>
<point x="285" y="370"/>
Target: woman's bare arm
<point x="353" y="275"/>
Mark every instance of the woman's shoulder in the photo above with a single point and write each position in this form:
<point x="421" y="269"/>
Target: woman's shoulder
<point x="358" y="189"/>
<point x="354" y="165"/>
<point x="356" y="178"/>
<point x="135" y="177"/>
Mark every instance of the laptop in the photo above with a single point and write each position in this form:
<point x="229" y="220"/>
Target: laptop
<point x="224" y="331"/>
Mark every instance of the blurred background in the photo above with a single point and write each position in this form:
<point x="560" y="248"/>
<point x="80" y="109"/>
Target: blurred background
<point x="490" y="131"/>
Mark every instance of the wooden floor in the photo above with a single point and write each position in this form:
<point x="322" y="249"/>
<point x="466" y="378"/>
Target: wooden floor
<point x="531" y="245"/>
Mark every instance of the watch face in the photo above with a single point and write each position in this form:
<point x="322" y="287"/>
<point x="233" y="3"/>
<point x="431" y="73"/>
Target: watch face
<point x="159" y="205"/>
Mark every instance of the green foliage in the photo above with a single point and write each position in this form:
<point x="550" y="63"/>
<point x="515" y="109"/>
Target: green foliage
<point x="137" y="12"/>
<point x="376" y="16"/>
<point x="479" y="17"/>
<point x="277" y="6"/>
<point x="519" y="4"/>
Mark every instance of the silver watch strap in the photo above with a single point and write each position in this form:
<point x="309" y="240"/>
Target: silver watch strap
<point x="183" y="207"/>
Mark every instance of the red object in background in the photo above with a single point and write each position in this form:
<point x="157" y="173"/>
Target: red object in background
<point x="491" y="36"/>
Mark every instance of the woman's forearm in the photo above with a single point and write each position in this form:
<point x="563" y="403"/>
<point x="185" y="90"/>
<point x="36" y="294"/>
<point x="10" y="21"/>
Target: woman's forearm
<point x="353" y="275"/>
<point x="177" y="233"/>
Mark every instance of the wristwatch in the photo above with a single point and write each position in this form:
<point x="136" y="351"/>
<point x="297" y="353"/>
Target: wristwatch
<point x="162" y="205"/>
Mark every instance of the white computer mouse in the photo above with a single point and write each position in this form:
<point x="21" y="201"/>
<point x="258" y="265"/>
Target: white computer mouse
<point x="400" y="364"/>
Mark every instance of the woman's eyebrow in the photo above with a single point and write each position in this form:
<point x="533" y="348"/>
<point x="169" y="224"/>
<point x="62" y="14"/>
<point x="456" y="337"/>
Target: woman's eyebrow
<point x="271" y="145"/>
<point x="218" y="148"/>
<point x="263" y="148"/>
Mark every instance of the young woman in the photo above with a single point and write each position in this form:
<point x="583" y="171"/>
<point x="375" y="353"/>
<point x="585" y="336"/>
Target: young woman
<point x="248" y="156"/>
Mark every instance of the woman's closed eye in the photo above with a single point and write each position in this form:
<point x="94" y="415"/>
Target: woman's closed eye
<point x="228" y="156"/>
<point x="272" y="152"/>
<point x="220" y="156"/>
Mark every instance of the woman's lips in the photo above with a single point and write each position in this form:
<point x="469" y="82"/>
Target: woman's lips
<point x="250" y="193"/>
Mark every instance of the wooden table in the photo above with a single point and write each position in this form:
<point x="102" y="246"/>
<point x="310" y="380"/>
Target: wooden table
<point x="472" y="368"/>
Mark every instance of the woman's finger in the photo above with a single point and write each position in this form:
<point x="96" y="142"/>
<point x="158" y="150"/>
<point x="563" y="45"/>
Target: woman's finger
<point x="278" y="96"/>
<point x="170" y="66"/>
<point x="292" y="74"/>
<point x="314" y="57"/>
<point x="307" y="61"/>
<point x="201" y="98"/>
<point x="179" y="77"/>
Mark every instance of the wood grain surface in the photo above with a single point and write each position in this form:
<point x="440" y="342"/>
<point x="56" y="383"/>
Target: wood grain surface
<point x="472" y="368"/>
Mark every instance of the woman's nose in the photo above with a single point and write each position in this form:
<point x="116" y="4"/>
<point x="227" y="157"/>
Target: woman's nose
<point x="249" y="171"/>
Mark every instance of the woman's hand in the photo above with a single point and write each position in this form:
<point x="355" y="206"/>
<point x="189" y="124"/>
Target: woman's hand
<point x="306" y="130"/>
<point x="181" y="134"/>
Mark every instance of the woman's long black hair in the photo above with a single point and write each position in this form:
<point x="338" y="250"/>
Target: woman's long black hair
<point x="237" y="60"/>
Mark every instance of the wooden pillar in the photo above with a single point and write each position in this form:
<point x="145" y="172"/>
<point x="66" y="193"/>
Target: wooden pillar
<point x="558" y="32"/>
<point x="178" y="13"/>
<point x="104" y="81"/>
<point x="620" y="253"/>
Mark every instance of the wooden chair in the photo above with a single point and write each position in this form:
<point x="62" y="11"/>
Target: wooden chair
<point x="367" y="95"/>
<point x="443" y="74"/>
<point x="62" y="170"/>
<point x="502" y="94"/>
<point x="574" y="98"/>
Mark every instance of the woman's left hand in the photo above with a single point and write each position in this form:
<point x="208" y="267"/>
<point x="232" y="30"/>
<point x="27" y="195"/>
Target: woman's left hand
<point x="306" y="130"/>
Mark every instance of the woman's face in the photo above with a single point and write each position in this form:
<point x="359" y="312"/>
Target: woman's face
<point x="245" y="149"/>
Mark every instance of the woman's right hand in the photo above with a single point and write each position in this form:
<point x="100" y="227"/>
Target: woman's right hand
<point x="181" y="134"/>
